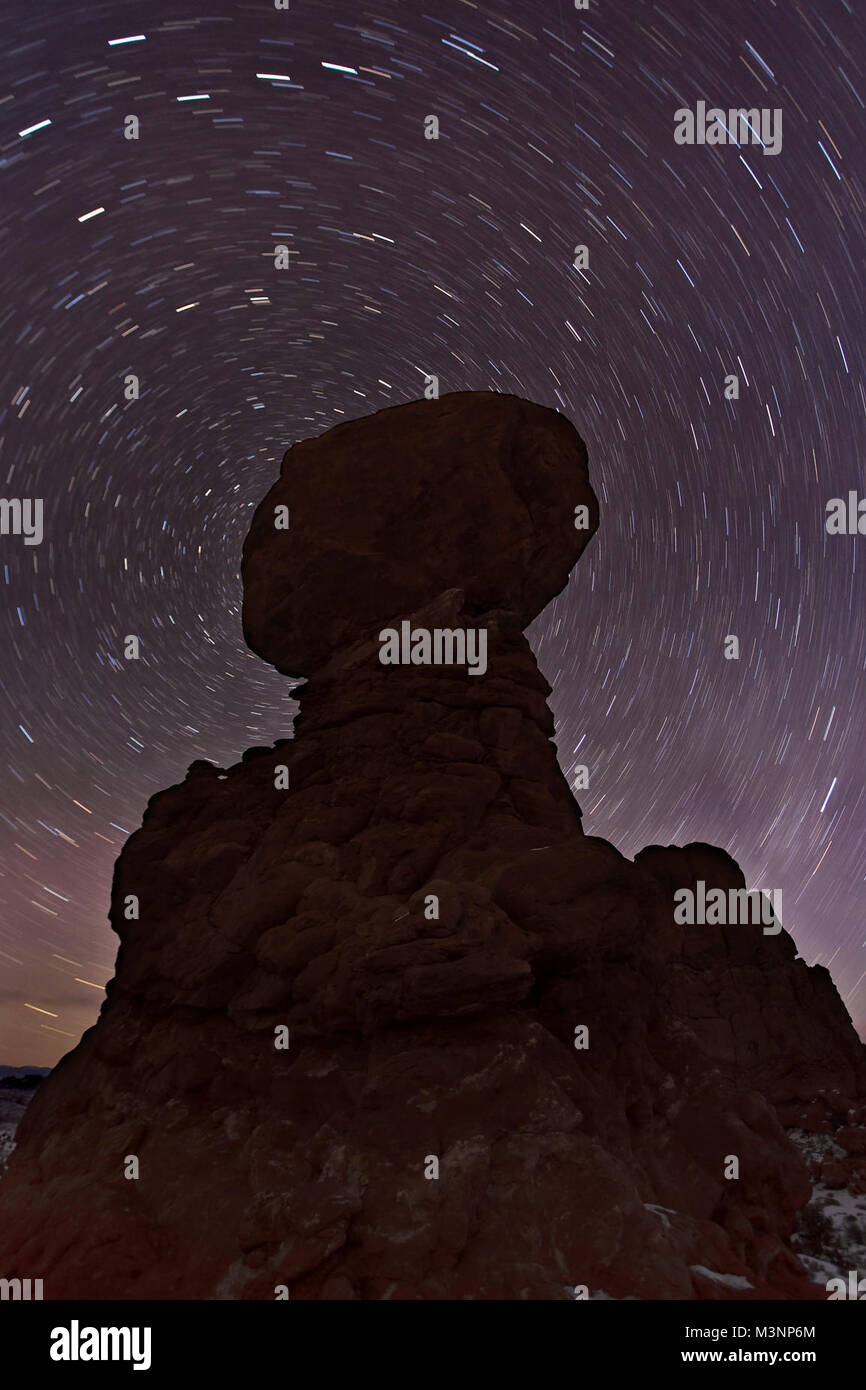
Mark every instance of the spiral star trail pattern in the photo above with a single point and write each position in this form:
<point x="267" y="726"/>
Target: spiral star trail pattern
<point x="451" y="257"/>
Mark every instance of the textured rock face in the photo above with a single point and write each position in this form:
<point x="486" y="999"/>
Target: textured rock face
<point x="474" y="492"/>
<point x="421" y="909"/>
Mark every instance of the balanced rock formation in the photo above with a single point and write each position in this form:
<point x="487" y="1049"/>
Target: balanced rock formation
<point x="385" y="1022"/>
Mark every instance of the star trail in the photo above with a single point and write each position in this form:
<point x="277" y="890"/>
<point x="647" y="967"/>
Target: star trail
<point x="157" y="365"/>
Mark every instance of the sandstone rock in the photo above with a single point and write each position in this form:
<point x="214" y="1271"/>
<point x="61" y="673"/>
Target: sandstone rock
<point x="467" y="980"/>
<point x="833" y="1175"/>
<point x="476" y="490"/>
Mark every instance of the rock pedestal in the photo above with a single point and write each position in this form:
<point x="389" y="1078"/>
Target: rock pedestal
<point x="508" y="1072"/>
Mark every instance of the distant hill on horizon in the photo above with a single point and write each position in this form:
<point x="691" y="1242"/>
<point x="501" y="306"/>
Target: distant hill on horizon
<point x="24" y="1071"/>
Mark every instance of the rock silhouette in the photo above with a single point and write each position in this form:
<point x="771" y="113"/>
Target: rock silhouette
<point x="469" y="982"/>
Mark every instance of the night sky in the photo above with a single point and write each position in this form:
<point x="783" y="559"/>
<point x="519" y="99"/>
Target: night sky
<point x="454" y="257"/>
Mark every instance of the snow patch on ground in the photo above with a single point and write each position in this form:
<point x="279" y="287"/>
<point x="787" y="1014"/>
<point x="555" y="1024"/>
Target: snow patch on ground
<point x="731" y="1281"/>
<point x="663" y="1213"/>
<point x="830" y="1239"/>
<point x="13" y="1103"/>
<point x="7" y="1144"/>
<point x="815" y="1147"/>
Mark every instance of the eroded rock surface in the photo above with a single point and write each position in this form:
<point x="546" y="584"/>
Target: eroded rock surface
<point x="422" y="910"/>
